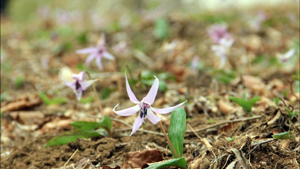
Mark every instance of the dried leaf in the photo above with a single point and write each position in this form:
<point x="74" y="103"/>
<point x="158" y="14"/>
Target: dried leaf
<point x="138" y="159"/>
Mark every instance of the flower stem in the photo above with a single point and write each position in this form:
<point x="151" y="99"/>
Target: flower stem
<point x="171" y="145"/>
<point x="119" y="82"/>
<point x="97" y="98"/>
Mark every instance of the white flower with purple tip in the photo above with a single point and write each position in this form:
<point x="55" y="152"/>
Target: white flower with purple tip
<point x="75" y="81"/>
<point x="97" y="53"/>
<point x="218" y="32"/>
<point x="144" y="107"/>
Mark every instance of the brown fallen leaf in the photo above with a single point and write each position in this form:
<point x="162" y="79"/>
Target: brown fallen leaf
<point x="139" y="158"/>
<point x="254" y="83"/>
<point x="28" y="117"/>
<point x="23" y="102"/>
<point x="225" y="108"/>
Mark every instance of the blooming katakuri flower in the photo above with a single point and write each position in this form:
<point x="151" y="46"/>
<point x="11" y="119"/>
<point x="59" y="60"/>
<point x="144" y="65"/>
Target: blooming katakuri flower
<point x="75" y="81"/>
<point x="222" y="48"/>
<point x="218" y="32"/>
<point x="144" y="107"/>
<point x="97" y="53"/>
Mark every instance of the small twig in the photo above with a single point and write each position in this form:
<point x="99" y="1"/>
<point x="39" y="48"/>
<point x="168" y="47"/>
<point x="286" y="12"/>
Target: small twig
<point x="70" y="158"/>
<point x="171" y="145"/>
<point x="96" y="94"/>
<point x="119" y="82"/>
<point x="98" y="101"/>
<point x="204" y="141"/>
<point x="292" y="89"/>
<point x="225" y="122"/>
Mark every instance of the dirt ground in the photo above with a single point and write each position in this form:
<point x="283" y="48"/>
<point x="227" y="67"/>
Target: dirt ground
<point x="28" y="123"/>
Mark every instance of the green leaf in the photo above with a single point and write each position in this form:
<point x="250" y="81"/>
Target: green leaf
<point x="253" y="100"/>
<point x="88" y="125"/>
<point x="243" y="103"/>
<point x="2" y="96"/>
<point x="48" y="101"/>
<point x="284" y="135"/>
<point x="276" y="100"/>
<point x="65" y="138"/>
<point x="19" y="82"/>
<point x="246" y="105"/>
<point x="229" y="139"/>
<point x="105" y="93"/>
<point x="178" y="162"/>
<point x="82" y="38"/>
<point x="87" y="100"/>
<point x="177" y="130"/>
<point x="161" y="28"/>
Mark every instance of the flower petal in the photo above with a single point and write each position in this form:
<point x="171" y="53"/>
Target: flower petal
<point x="98" y="62"/>
<point x="166" y="110"/>
<point x="137" y="124"/>
<point x="87" y="50"/>
<point x="66" y="74"/>
<point x="130" y="93"/>
<point x="79" y="76"/>
<point x="152" y="92"/>
<point x="127" y="112"/>
<point x="90" y="58"/>
<point x="78" y="94"/>
<point x="153" y="118"/>
<point x="108" y="56"/>
<point x="86" y="84"/>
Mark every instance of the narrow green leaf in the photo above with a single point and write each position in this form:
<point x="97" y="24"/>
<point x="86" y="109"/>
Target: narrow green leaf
<point x="87" y="100"/>
<point x="177" y="130"/>
<point x="48" y="101"/>
<point x="178" y="162"/>
<point x="65" y="138"/>
<point x="276" y="100"/>
<point x="243" y="103"/>
<point x="229" y="139"/>
<point x="105" y="122"/>
<point x="253" y="100"/>
<point x="284" y="135"/>
<point x="161" y="28"/>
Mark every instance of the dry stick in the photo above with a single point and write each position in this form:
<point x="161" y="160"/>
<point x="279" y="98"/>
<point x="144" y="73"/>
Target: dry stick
<point x="119" y="82"/>
<point x="225" y="122"/>
<point x="168" y="139"/>
<point x="70" y="158"/>
<point x="203" y="140"/>
<point x="292" y="89"/>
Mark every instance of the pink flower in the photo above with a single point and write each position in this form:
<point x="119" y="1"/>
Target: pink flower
<point x="97" y="53"/>
<point x="222" y="49"/>
<point x="76" y="81"/>
<point x="287" y="56"/>
<point x="195" y="61"/>
<point x="144" y="107"/>
<point x="218" y="32"/>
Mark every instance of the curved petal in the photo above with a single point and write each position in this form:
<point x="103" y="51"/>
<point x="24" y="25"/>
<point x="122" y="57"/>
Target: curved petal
<point x="71" y="84"/>
<point x="78" y="94"/>
<point x="79" y="76"/>
<point x="87" y="50"/>
<point x="90" y="58"/>
<point x="108" y="56"/>
<point x="130" y="93"/>
<point x="289" y="54"/>
<point x="153" y="118"/>
<point x="98" y="62"/>
<point x="166" y="110"/>
<point x="137" y="124"/>
<point x="86" y="84"/>
<point x="152" y="92"/>
<point x="127" y="112"/>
